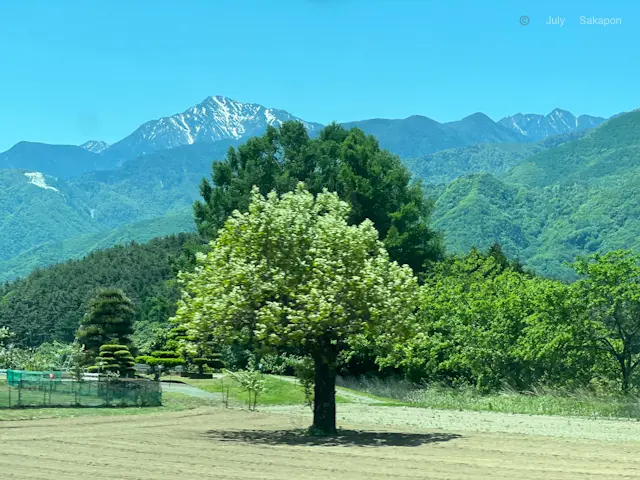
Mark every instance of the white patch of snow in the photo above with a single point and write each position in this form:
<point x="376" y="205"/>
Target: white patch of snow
<point x="37" y="179"/>
<point x="518" y="127"/>
<point x="271" y="118"/>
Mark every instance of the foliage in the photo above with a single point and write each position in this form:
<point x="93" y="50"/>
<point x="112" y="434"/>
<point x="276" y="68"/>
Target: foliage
<point x="109" y="319"/>
<point x="49" y="304"/>
<point x="48" y="356"/>
<point x="77" y="247"/>
<point x="167" y="358"/>
<point x="572" y="200"/>
<point x="77" y="362"/>
<point x="488" y="325"/>
<point x="292" y="272"/>
<point x="373" y="181"/>
<point x="5" y="337"/>
<point x="160" y="361"/>
<point x="539" y="401"/>
<point x="116" y="359"/>
<point x="303" y="368"/>
<point x="610" y="296"/>
<point x="250" y="381"/>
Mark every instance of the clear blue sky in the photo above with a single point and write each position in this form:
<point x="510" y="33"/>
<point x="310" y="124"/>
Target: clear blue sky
<point x="78" y="70"/>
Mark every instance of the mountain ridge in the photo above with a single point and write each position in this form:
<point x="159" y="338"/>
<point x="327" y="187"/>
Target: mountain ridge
<point x="215" y="118"/>
<point x="536" y="127"/>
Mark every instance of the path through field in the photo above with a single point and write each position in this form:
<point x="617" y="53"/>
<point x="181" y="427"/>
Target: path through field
<point x="232" y="444"/>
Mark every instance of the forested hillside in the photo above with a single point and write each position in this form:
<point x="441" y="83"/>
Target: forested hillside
<point x="75" y="248"/>
<point x="52" y="220"/>
<point x="37" y="209"/>
<point x="49" y="303"/>
<point x="574" y="199"/>
<point x="603" y="156"/>
<point x="445" y="166"/>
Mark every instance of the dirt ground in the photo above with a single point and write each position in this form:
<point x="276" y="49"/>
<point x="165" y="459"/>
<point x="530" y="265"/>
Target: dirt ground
<point x="377" y="443"/>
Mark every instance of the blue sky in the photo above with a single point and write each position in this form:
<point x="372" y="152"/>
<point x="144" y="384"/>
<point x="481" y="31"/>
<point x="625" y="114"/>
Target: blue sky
<point x="78" y="70"/>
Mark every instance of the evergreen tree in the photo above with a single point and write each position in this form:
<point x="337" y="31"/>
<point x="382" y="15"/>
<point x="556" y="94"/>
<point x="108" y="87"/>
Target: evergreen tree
<point x="373" y="181"/>
<point x="108" y="321"/>
<point x="115" y="359"/>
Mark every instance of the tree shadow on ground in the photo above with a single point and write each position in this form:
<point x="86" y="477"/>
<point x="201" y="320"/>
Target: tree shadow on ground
<point x="346" y="438"/>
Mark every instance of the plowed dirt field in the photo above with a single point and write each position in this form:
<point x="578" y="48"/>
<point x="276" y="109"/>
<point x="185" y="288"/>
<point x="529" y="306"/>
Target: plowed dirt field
<point x="233" y="444"/>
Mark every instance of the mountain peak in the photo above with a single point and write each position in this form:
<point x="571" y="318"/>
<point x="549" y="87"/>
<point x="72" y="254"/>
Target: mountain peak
<point x="556" y="112"/>
<point x="477" y="117"/>
<point x="95" y="146"/>
<point x="215" y="118"/>
<point x="536" y="127"/>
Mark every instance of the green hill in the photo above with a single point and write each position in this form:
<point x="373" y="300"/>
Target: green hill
<point x="447" y="165"/>
<point x="47" y="220"/>
<point x="77" y="247"/>
<point x="603" y="156"/>
<point x="49" y="303"/>
<point x="577" y="198"/>
<point x="36" y="209"/>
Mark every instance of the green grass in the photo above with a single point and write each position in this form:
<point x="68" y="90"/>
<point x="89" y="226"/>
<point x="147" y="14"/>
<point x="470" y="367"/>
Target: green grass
<point x="278" y="391"/>
<point x="172" y="402"/>
<point x="581" y="403"/>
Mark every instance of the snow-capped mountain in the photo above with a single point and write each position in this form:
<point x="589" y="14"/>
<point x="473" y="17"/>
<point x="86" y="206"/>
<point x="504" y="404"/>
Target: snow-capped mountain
<point x="95" y="146"/>
<point x="536" y="127"/>
<point x="215" y="118"/>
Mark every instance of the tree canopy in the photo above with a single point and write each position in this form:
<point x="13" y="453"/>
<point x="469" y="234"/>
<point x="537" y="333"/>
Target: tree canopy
<point x="372" y="181"/>
<point x="291" y="271"/>
<point x="610" y="293"/>
<point x="109" y="320"/>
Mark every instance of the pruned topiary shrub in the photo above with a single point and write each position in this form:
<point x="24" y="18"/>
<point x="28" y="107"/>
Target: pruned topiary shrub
<point x="116" y="359"/>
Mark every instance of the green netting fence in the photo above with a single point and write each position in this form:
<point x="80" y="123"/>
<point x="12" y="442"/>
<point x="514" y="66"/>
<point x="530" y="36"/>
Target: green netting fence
<point x="52" y="389"/>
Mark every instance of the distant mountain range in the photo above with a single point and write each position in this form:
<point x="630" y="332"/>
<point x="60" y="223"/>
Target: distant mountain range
<point x="536" y="127"/>
<point x="220" y="118"/>
<point x="57" y="200"/>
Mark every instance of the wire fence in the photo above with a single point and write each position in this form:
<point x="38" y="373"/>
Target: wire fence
<point x="52" y="389"/>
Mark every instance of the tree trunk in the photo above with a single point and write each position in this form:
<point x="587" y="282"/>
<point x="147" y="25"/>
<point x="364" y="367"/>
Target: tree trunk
<point x="324" y="398"/>
<point x="626" y="374"/>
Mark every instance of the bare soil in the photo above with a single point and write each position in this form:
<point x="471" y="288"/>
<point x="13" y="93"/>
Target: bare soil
<point x="375" y="443"/>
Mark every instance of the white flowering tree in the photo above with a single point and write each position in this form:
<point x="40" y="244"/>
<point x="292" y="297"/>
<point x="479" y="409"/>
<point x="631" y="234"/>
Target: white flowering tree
<point x="292" y="272"/>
